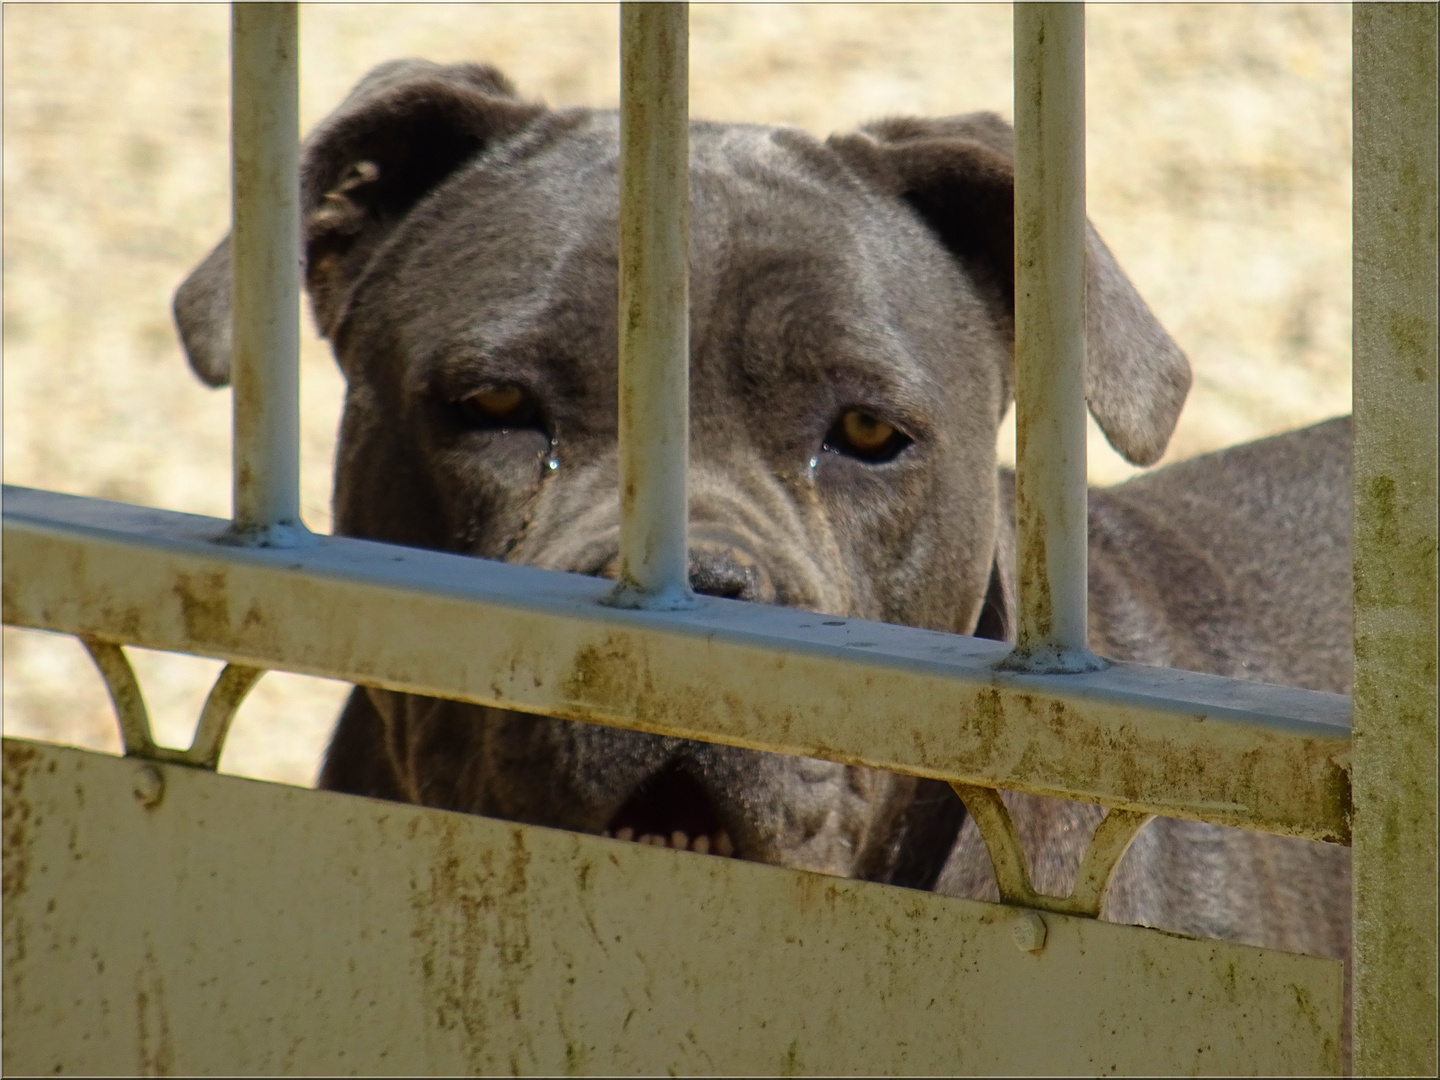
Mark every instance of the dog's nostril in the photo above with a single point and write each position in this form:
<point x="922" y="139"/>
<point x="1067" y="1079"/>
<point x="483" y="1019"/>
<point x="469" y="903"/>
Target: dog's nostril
<point x="714" y="571"/>
<point x="721" y="574"/>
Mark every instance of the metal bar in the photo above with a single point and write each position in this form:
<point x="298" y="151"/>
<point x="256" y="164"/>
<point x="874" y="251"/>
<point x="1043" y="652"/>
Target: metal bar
<point x="265" y="132"/>
<point x="221" y="705"/>
<point x="654" y="305"/>
<point x="233" y="927"/>
<point x="1395" y="208"/>
<point x="125" y="694"/>
<point x="1113" y="837"/>
<point x="1050" y="496"/>
<point x="916" y="701"/>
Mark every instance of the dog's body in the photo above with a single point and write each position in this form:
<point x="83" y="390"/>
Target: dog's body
<point x="850" y="364"/>
<point x="1235" y="563"/>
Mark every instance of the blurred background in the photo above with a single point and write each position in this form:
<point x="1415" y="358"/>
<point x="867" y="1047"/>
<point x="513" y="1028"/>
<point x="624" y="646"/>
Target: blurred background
<point x="1219" y="174"/>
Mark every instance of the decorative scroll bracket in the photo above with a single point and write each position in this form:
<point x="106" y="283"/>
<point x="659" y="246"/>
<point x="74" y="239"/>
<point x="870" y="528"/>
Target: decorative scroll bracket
<point x="230" y="689"/>
<point x="1113" y="836"/>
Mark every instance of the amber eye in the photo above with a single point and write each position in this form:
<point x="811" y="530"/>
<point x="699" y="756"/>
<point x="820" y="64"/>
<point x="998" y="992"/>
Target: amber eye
<point x="503" y="406"/>
<point x="863" y="435"/>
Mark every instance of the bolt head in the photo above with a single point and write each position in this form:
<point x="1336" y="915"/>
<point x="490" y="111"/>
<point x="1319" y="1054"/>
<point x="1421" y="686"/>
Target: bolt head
<point x="149" y="785"/>
<point x="1028" y="931"/>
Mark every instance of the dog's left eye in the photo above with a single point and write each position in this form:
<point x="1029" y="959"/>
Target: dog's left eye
<point x="505" y="406"/>
<point x="867" y="437"/>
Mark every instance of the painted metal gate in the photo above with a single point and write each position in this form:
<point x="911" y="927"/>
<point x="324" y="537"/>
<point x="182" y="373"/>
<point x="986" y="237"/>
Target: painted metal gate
<point x="161" y="918"/>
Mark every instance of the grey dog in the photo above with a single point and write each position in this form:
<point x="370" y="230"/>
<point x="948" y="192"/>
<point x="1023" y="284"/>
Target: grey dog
<point x="851" y="361"/>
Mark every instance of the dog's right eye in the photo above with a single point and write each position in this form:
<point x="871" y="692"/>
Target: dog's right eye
<point x="863" y="435"/>
<point x="500" y="408"/>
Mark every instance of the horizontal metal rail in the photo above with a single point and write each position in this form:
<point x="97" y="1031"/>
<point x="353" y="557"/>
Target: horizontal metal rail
<point x="1148" y="739"/>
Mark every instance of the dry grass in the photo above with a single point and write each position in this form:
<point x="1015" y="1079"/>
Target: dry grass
<point x="1219" y="149"/>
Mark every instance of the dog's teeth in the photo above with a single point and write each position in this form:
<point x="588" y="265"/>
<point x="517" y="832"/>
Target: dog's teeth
<point x="679" y="840"/>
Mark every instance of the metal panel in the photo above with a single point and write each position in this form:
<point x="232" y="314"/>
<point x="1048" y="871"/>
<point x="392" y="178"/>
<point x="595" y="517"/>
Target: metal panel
<point x="1395" y="538"/>
<point x="916" y="701"/>
<point x="236" y="926"/>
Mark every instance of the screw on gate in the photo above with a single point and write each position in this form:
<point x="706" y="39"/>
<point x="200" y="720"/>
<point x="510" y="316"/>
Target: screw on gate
<point x="149" y="786"/>
<point x="1029" y="931"/>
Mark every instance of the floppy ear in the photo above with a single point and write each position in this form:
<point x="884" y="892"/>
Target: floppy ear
<point x="403" y="130"/>
<point x="997" y="614"/>
<point x="958" y="175"/>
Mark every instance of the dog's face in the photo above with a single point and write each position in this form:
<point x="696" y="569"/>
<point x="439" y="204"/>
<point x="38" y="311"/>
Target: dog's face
<point x="850" y="364"/>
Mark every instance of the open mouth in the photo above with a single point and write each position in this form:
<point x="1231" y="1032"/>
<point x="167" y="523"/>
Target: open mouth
<point x="669" y="809"/>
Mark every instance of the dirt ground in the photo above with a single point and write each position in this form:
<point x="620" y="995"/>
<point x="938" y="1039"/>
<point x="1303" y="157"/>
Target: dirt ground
<point x="1219" y="173"/>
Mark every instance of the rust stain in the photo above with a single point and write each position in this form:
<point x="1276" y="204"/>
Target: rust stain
<point x="156" y="1048"/>
<point x="452" y="937"/>
<point x="575" y="1060"/>
<point x="615" y="678"/>
<point x="472" y="925"/>
<point x="604" y="674"/>
<point x="254" y="617"/>
<point x="1033" y="572"/>
<point x="204" y="605"/>
<point x="20" y="761"/>
<point x="987" y="721"/>
<point x="792" y="1065"/>
<point x="1338" y="793"/>
<point x="123" y="623"/>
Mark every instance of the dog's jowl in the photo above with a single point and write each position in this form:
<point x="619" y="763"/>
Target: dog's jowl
<point x="851" y="353"/>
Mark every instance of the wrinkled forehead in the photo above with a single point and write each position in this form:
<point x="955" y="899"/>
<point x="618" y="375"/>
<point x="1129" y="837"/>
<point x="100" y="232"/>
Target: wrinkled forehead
<point x="792" y="257"/>
<point x="797" y="262"/>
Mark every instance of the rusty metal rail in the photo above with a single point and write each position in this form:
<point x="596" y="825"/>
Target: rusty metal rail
<point x="1148" y="739"/>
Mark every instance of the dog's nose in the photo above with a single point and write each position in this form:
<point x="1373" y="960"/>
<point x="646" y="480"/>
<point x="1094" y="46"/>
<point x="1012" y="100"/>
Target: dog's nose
<point x="728" y="573"/>
<point x="716" y="569"/>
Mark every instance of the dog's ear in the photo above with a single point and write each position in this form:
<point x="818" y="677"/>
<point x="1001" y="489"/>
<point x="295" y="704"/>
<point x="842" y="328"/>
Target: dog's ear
<point x="997" y="613"/>
<point x="400" y="133"/>
<point x="958" y="175"/>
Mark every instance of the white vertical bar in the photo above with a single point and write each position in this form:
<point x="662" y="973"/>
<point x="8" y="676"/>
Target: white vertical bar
<point x="265" y="130"/>
<point x="654" y="305"/>
<point x="1050" y="337"/>
<point x="1396" y="326"/>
